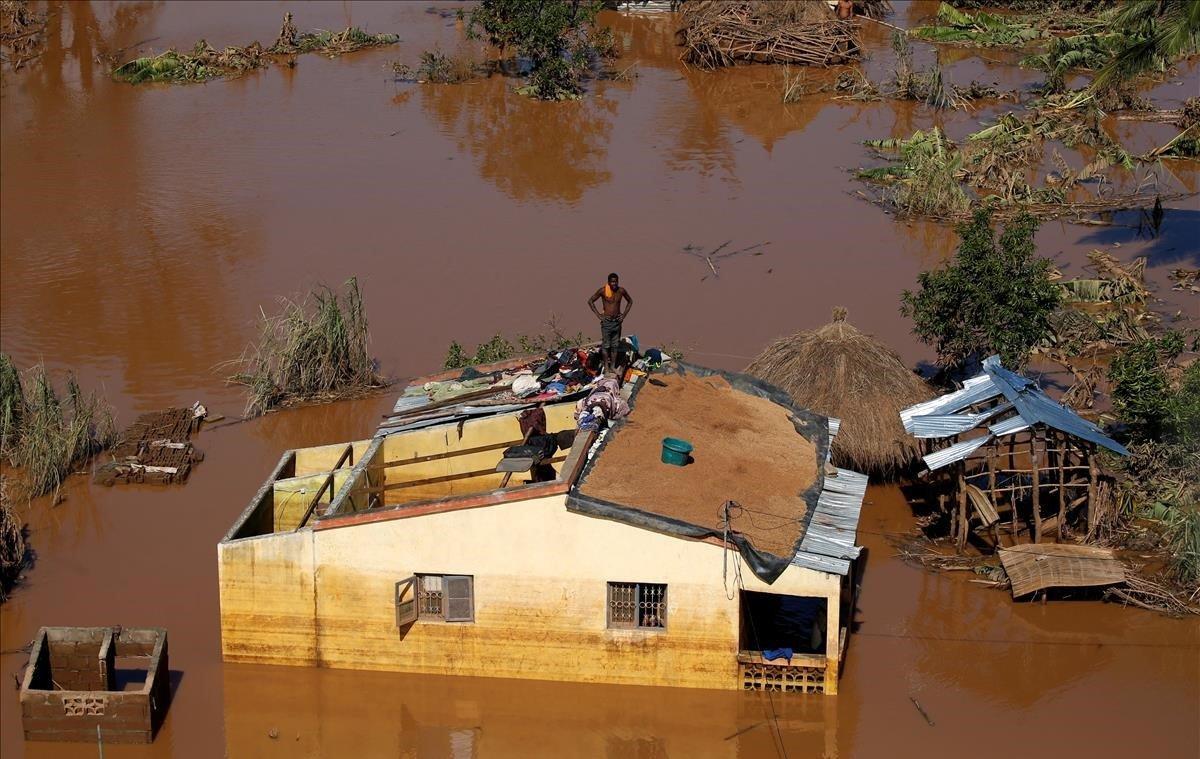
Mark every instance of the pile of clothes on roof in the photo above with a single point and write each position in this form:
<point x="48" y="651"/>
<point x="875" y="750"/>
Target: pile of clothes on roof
<point x="565" y="374"/>
<point x="605" y="401"/>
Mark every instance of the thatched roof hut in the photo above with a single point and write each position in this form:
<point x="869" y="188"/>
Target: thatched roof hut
<point x="841" y="372"/>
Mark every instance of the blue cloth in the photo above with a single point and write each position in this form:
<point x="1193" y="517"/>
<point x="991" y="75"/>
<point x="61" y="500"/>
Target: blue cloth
<point x="778" y="653"/>
<point x="556" y="387"/>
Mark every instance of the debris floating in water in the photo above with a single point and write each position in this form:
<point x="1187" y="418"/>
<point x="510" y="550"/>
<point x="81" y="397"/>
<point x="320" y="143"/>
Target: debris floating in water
<point x="205" y="62"/>
<point x="155" y="448"/>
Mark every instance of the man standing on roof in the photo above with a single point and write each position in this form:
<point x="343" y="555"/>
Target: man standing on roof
<point x="610" y="297"/>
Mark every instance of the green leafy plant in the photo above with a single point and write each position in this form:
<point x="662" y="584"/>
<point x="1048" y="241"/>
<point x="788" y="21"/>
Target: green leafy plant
<point x="1141" y="390"/>
<point x="984" y="29"/>
<point x="995" y="296"/>
<point x="556" y="39"/>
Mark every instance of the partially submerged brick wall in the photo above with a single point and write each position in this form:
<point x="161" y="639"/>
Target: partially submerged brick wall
<point x="68" y="693"/>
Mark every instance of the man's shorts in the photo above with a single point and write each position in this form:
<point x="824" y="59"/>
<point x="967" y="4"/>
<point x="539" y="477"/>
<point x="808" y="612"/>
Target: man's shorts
<point x="610" y="333"/>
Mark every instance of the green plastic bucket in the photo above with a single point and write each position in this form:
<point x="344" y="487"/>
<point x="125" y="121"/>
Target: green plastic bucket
<point x="675" y="451"/>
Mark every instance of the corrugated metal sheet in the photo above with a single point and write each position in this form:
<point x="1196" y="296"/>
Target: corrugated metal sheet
<point x="956" y="452"/>
<point x="948" y="425"/>
<point x="975" y="390"/>
<point x="410" y="403"/>
<point x="449" y="415"/>
<point x="834" y="426"/>
<point x="1009" y="426"/>
<point x="1036" y="407"/>
<point x="830" y="541"/>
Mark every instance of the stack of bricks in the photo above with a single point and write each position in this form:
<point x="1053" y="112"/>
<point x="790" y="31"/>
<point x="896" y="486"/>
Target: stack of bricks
<point x="69" y="690"/>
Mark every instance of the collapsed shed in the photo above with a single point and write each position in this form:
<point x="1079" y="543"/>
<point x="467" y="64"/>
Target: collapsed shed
<point x="1003" y="452"/>
<point x="718" y="33"/>
<point x="841" y="372"/>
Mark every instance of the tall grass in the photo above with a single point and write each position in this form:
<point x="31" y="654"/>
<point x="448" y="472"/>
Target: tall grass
<point x="12" y="406"/>
<point x="313" y="350"/>
<point x="46" y="436"/>
<point x="14" y="552"/>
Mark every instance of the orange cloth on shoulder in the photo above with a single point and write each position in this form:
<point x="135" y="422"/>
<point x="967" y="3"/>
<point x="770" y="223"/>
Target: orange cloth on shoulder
<point x="608" y="291"/>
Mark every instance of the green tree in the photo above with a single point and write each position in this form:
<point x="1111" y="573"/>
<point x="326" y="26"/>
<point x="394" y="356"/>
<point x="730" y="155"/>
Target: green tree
<point x="555" y="37"/>
<point x="1141" y="390"/>
<point x="995" y="296"/>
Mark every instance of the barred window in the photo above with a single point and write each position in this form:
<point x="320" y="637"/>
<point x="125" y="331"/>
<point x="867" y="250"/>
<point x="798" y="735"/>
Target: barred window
<point x="450" y="598"/>
<point x="637" y="605"/>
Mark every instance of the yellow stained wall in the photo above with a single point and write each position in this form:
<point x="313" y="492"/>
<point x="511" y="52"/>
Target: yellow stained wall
<point x="541" y="576"/>
<point x="267" y="596"/>
<point x="448" y="438"/>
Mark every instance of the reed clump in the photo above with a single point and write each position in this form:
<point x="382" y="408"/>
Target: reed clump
<point x="313" y="350"/>
<point x="47" y="436"/>
<point x="14" y="549"/>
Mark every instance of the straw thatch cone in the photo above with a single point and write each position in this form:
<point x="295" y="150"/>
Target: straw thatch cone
<point x="840" y="372"/>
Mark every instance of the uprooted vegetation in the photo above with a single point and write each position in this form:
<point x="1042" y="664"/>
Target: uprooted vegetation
<point x="313" y="350"/>
<point x="1098" y="316"/>
<point x="933" y="176"/>
<point x="47" y="437"/>
<point x="926" y="86"/>
<point x="205" y="62"/>
<point x="1119" y="41"/>
<point x="22" y="33"/>
<point x="715" y="33"/>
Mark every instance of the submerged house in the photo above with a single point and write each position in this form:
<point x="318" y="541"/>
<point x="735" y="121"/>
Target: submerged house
<point x="427" y="549"/>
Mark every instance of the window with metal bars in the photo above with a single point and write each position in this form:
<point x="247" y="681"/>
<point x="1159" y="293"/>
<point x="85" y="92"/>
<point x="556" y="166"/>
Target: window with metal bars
<point x="637" y="606"/>
<point x="449" y="598"/>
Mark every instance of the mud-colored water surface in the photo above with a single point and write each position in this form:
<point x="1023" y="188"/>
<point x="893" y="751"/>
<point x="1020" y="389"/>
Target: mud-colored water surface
<point x="141" y="228"/>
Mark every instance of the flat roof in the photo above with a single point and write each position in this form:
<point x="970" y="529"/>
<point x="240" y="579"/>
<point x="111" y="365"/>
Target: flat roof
<point x="751" y="446"/>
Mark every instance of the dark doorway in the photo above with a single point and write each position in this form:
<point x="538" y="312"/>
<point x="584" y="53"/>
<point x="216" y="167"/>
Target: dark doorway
<point x="771" y="621"/>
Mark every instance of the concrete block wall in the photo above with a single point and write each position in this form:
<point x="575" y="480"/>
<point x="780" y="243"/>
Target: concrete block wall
<point x="67" y="693"/>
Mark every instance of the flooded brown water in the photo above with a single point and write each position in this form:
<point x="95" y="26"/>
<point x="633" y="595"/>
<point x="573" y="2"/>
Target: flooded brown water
<point x="142" y="228"/>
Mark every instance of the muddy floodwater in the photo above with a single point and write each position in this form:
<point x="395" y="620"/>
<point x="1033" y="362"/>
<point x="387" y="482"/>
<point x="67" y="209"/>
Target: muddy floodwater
<point x="142" y="228"/>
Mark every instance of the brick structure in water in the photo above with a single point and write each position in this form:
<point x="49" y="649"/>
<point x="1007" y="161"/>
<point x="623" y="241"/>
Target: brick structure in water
<point x="96" y="683"/>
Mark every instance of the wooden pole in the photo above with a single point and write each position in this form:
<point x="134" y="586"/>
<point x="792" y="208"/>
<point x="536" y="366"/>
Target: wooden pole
<point x="1013" y="496"/>
<point x="1062" y="485"/>
<point x="963" y="520"/>
<point x="1035" y="461"/>
<point x="991" y="465"/>
<point x="1093" y="475"/>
